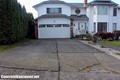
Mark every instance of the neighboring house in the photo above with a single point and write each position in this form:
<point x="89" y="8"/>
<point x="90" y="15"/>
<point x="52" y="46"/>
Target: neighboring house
<point x="58" y="19"/>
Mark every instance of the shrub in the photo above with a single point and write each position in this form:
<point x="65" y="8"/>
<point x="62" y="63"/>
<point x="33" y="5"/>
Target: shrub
<point x="105" y="35"/>
<point x="117" y="32"/>
<point x="84" y="36"/>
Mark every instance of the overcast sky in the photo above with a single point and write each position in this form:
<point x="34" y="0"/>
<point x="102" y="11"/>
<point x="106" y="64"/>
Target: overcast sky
<point x="29" y="3"/>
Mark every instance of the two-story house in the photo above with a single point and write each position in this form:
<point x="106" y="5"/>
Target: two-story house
<point x="59" y="19"/>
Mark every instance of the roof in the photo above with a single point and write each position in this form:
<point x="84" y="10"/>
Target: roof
<point x="60" y="2"/>
<point x="118" y="7"/>
<point x="77" y="4"/>
<point x="58" y="15"/>
<point x="54" y="15"/>
<point x="52" y="2"/>
<point x="103" y="2"/>
<point x="81" y="17"/>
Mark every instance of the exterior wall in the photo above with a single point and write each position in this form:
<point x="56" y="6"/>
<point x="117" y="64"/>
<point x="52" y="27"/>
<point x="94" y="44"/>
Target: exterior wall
<point x="90" y="13"/>
<point x="65" y="9"/>
<point x="109" y="18"/>
<point x="118" y="25"/>
<point x="83" y="11"/>
<point x="54" y="21"/>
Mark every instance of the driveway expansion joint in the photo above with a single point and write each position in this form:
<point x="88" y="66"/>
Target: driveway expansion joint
<point x="58" y="60"/>
<point x="25" y="69"/>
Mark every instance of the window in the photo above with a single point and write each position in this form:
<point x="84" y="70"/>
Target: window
<point x="85" y="26"/>
<point x="95" y="10"/>
<point x="102" y="27"/>
<point x="58" y="25"/>
<point x="77" y="11"/>
<point x="54" y="10"/>
<point x="65" y="25"/>
<point x="49" y="25"/>
<point x="94" y="27"/>
<point x="115" y="12"/>
<point x="102" y="10"/>
<point x="41" y="26"/>
<point x="114" y="26"/>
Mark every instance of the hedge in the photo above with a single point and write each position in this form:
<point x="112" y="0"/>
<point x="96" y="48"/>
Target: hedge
<point x="14" y="24"/>
<point x="105" y="35"/>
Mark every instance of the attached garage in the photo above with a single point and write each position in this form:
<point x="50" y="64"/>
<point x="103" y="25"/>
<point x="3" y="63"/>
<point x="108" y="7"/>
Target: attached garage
<point x="53" y="27"/>
<point x="54" y="31"/>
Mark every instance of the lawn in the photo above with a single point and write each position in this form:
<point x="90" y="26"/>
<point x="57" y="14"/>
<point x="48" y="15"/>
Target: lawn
<point x="113" y="43"/>
<point x="8" y="47"/>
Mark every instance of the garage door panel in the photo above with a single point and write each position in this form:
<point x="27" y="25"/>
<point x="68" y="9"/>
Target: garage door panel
<point x="54" y="32"/>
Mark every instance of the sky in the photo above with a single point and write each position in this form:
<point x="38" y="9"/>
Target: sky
<point x="30" y="3"/>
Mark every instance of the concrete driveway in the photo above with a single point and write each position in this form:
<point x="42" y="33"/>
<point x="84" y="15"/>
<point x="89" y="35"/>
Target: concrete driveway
<point x="60" y="56"/>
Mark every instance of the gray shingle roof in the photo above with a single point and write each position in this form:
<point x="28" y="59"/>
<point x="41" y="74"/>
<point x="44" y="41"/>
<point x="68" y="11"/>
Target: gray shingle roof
<point x="60" y="2"/>
<point x="58" y="15"/>
<point x="52" y="2"/>
<point x="77" y="4"/>
<point x="81" y="17"/>
<point x="95" y="2"/>
<point x="105" y="2"/>
<point x="54" y="15"/>
<point x="118" y="7"/>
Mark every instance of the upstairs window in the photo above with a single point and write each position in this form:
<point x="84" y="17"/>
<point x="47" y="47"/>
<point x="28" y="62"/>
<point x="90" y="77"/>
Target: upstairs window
<point x="102" y="10"/>
<point x="115" y="12"/>
<point x="54" y="10"/>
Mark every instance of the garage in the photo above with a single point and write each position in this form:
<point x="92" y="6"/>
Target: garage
<point x="54" y="26"/>
<point x="54" y="31"/>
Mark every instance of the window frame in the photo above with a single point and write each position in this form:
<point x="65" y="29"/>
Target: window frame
<point x="101" y="10"/>
<point x="114" y="26"/>
<point x="66" y="25"/>
<point x="102" y="26"/>
<point x="42" y="25"/>
<point x="114" y="11"/>
<point x="54" y="10"/>
<point x="94" y="28"/>
<point x="50" y="25"/>
<point x="58" y="25"/>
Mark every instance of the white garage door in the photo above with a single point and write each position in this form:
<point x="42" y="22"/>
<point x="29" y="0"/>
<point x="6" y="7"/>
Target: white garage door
<point x="54" y="31"/>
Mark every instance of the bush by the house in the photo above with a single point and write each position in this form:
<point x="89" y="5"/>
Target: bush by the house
<point x="84" y="37"/>
<point x="105" y="36"/>
<point x="117" y="32"/>
<point x="14" y="22"/>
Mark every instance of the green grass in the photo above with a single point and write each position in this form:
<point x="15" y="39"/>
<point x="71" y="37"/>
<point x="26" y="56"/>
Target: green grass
<point x="8" y="47"/>
<point x="103" y="47"/>
<point x="117" y="54"/>
<point x="113" y="43"/>
<point x="90" y="42"/>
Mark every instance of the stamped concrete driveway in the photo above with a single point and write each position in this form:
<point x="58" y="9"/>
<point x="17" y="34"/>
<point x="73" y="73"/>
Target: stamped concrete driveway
<point x="61" y="56"/>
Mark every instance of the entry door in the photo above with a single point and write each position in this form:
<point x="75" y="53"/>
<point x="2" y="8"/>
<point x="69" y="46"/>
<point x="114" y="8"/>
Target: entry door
<point x="82" y="28"/>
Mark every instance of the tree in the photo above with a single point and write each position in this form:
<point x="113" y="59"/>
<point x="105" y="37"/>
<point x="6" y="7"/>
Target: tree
<point x="15" y="22"/>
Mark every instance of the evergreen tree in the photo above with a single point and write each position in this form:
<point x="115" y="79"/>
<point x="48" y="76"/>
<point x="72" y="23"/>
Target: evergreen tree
<point x="15" y="22"/>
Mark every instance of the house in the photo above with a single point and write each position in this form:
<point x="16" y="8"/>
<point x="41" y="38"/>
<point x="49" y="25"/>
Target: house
<point x="59" y="19"/>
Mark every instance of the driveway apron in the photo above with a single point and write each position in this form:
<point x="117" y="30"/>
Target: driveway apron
<point x="66" y="59"/>
<point x="37" y="55"/>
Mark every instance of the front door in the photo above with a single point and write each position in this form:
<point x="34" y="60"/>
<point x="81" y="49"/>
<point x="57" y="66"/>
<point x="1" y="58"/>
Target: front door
<point x="82" y="28"/>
